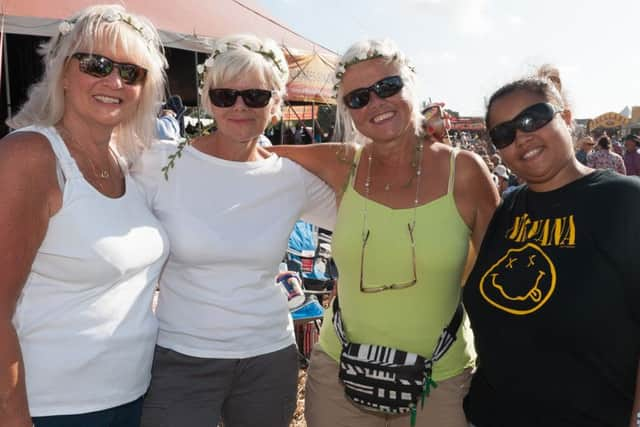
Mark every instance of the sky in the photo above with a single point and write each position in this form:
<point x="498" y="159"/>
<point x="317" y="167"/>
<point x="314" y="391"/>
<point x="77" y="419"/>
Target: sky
<point x="464" y="50"/>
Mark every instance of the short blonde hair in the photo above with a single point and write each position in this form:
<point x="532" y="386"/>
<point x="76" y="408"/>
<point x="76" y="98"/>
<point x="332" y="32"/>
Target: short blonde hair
<point x="245" y="53"/>
<point x="96" y="26"/>
<point x="366" y="50"/>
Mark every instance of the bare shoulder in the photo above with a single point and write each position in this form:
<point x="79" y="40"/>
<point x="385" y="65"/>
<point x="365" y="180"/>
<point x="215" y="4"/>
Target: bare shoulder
<point x="27" y="163"/>
<point x="475" y="193"/>
<point x="24" y="150"/>
<point x="469" y="165"/>
<point x="473" y="179"/>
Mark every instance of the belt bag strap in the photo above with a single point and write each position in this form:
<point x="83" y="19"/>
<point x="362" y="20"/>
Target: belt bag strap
<point x="445" y="341"/>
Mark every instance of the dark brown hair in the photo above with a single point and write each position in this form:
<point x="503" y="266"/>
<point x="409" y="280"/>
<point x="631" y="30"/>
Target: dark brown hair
<point x="535" y="85"/>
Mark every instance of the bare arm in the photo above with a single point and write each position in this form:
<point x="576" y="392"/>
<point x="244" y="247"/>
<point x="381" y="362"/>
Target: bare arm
<point x="476" y="197"/>
<point x="633" y="422"/>
<point x="29" y="191"/>
<point x="330" y="162"/>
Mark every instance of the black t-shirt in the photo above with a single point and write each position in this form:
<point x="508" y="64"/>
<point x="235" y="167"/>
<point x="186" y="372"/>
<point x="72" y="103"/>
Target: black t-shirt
<point x="554" y="302"/>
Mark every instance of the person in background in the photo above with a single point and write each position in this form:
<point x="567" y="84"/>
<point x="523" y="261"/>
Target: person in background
<point x="616" y="145"/>
<point x="585" y="148"/>
<point x="502" y="173"/>
<point x="604" y="158"/>
<point x="298" y="134"/>
<point x="495" y="159"/>
<point x="80" y="252"/>
<point x="411" y="209"/>
<point x="558" y="338"/>
<point x="167" y="126"/>
<point x="226" y="348"/>
<point x="174" y="103"/>
<point x="632" y="155"/>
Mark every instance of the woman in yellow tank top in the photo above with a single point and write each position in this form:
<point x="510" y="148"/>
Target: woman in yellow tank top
<point x="409" y="207"/>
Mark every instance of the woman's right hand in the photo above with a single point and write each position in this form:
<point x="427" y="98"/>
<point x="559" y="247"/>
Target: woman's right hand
<point x="14" y="411"/>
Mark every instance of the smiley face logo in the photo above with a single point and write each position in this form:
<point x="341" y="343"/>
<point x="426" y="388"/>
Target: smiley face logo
<point x="520" y="282"/>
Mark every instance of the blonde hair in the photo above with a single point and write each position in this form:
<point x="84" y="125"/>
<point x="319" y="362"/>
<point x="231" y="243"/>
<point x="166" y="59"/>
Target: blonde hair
<point x="100" y="26"/>
<point x="365" y="50"/>
<point x="245" y="53"/>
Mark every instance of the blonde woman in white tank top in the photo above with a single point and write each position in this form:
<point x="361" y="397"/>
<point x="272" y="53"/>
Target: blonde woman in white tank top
<point x="80" y="252"/>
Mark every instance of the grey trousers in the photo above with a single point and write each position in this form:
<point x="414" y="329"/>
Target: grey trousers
<point x="199" y="392"/>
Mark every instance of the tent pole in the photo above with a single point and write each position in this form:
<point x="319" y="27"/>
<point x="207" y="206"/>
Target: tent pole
<point x="313" y="122"/>
<point x="195" y="70"/>
<point x="282" y="130"/>
<point x="5" y="64"/>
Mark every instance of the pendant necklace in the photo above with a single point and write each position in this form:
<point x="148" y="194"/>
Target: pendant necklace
<point x="414" y="164"/>
<point x="97" y="172"/>
<point x="367" y="187"/>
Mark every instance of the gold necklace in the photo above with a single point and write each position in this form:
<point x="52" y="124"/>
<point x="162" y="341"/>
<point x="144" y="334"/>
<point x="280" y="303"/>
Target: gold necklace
<point x="98" y="173"/>
<point x="414" y="164"/>
<point x="418" y="174"/>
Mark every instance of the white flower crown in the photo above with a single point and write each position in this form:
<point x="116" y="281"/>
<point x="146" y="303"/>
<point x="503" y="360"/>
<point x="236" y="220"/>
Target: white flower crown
<point x="208" y="63"/>
<point x="372" y="54"/>
<point x="66" y="27"/>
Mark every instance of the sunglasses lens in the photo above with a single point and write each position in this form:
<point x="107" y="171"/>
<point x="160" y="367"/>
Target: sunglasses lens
<point x="388" y="87"/>
<point x="502" y="135"/>
<point x="535" y="117"/>
<point x="256" y="98"/>
<point x="96" y="66"/>
<point x="357" y="98"/>
<point x="223" y="98"/>
<point x="130" y="73"/>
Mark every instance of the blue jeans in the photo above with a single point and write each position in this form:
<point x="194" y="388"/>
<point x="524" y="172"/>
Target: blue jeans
<point x="127" y="415"/>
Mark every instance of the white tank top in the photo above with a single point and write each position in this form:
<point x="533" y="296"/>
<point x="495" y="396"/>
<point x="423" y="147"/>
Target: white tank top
<point x="84" y="318"/>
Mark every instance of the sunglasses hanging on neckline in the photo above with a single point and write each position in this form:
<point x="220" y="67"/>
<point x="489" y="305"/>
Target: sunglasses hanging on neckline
<point x="384" y="88"/>
<point x="528" y="120"/>
<point x="100" y="66"/>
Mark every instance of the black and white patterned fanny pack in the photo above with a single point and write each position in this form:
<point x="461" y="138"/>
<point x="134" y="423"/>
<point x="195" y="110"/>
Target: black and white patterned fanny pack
<point x="385" y="379"/>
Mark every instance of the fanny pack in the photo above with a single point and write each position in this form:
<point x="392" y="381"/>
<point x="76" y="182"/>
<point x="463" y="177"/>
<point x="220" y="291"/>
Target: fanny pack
<point x="385" y="379"/>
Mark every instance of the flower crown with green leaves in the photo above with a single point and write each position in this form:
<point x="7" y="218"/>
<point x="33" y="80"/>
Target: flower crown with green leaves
<point x="371" y="54"/>
<point x="208" y="63"/>
<point x="66" y="26"/>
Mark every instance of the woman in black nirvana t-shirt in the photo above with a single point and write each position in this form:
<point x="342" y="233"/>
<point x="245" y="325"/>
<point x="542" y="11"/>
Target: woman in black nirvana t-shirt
<point x="554" y="297"/>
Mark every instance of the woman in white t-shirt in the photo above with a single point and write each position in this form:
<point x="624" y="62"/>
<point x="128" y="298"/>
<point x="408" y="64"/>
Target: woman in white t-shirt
<point x="80" y="251"/>
<point x="226" y="346"/>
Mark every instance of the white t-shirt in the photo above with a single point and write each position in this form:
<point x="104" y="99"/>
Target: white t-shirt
<point x="228" y="224"/>
<point x="84" y="319"/>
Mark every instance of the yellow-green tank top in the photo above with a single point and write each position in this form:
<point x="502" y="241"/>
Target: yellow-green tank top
<point x="408" y="319"/>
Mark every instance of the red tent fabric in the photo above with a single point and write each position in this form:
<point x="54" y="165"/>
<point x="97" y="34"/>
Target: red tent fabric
<point x="184" y="24"/>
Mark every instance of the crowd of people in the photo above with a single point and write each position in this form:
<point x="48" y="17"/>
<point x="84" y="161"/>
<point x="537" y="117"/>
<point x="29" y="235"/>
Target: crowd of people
<point x="497" y="304"/>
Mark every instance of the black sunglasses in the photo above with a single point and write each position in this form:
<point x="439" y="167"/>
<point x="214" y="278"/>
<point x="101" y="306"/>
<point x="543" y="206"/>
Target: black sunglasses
<point x="529" y="120"/>
<point x="385" y="88"/>
<point x="253" y="98"/>
<point x="101" y="66"/>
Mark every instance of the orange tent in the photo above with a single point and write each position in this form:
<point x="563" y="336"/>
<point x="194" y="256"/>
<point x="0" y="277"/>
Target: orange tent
<point x="310" y="77"/>
<point x="187" y="24"/>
